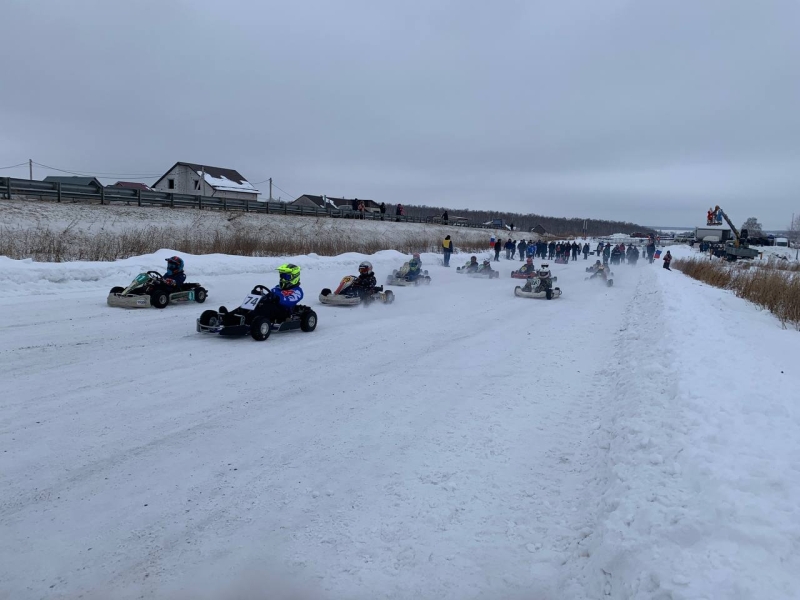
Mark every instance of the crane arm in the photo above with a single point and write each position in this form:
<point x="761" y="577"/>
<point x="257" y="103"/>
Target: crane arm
<point x="732" y="226"/>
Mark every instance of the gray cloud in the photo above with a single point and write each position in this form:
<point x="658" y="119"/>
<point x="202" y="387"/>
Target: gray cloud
<point x="637" y="110"/>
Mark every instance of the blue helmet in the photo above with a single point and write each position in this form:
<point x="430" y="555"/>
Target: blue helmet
<point x="174" y="264"/>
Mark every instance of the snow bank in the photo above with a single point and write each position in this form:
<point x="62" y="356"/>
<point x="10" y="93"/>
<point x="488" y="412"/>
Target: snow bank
<point x="696" y="485"/>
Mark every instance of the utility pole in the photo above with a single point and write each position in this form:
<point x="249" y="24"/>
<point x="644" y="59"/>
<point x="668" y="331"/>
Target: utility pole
<point x="30" y="169"/>
<point x="270" y="189"/>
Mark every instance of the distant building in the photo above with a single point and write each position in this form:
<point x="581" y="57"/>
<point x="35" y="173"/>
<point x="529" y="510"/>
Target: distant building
<point x="74" y="180"/>
<point x="539" y="229"/>
<point x="336" y="203"/>
<point x="132" y="185"/>
<point x="205" y="180"/>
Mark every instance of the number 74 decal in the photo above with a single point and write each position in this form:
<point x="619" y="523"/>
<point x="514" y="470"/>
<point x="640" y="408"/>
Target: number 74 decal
<point x="251" y="301"/>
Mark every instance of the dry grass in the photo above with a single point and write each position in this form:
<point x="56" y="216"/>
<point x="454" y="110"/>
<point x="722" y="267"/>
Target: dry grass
<point x="775" y="289"/>
<point x="45" y="244"/>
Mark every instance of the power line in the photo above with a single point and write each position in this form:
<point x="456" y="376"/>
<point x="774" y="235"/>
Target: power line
<point x="284" y="191"/>
<point x="104" y="174"/>
<point x="14" y="166"/>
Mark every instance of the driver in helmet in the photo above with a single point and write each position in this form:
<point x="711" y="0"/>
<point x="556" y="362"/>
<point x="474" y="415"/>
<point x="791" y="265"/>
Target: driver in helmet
<point x="600" y="272"/>
<point x="174" y="275"/>
<point x="472" y="265"/>
<point x="485" y="267"/>
<point x="365" y="283"/>
<point x="288" y="292"/>
<point x="527" y="268"/>
<point x="414" y="267"/>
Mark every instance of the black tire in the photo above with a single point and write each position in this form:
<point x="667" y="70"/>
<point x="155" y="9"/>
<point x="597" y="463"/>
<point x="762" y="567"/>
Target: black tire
<point x="308" y="322"/>
<point x="610" y="282"/>
<point x="517" y="290"/>
<point x="200" y="295"/>
<point x="325" y="292"/>
<point x="260" y="329"/>
<point x="210" y="318"/>
<point x="159" y="299"/>
<point x="389" y="297"/>
<point x="548" y="294"/>
<point x="116" y="290"/>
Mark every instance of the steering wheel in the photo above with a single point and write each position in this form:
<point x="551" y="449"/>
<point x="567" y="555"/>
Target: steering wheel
<point x="261" y="289"/>
<point x="155" y="275"/>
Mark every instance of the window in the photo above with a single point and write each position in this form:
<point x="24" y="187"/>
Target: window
<point x="197" y="184"/>
<point x="171" y="184"/>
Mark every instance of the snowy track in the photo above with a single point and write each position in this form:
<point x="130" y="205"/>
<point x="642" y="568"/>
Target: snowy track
<point x="451" y="445"/>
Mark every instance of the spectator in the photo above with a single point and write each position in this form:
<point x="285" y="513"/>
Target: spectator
<point x="586" y="251"/>
<point x="552" y="250"/>
<point x="512" y="227"/>
<point x="361" y="209"/>
<point x="667" y="260"/>
<point x="447" y="250"/>
<point x="398" y="212"/>
<point x="445" y="217"/>
<point x="383" y="210"/>
<point x="575" y="249"/>
<point x="509" y="246"/>
<point x="521" y="248"/>
<point x="498" y="245"/>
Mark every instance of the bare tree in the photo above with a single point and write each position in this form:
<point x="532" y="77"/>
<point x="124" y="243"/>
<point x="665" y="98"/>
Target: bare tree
<point x="753" y="226"/>
<point x="794" y="233"/>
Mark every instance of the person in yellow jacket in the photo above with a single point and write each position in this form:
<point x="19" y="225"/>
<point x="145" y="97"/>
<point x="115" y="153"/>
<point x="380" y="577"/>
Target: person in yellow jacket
<point x="447" y="250"/>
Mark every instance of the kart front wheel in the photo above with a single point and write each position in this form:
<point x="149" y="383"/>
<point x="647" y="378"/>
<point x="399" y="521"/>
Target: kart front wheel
<point x="200" y="295"/>
<point x="308" y="322"/>
<point x="260" y="329"/>
<point x="116" y="290"/>
<point x="548" y="294"/>
<point x="159" y="299"/>
<point x="210" y="318"/>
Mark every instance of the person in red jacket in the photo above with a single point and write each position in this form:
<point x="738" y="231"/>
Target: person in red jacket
<point x="667" y="260"/>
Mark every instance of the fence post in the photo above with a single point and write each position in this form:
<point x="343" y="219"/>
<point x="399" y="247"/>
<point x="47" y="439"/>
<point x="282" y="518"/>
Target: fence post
<point x="8" y="186"/>
<point x="284" y="208"/>
<point x="246" y="205"/>
<point x="200" y="200"/>
<point x="102" y="195"/>
<point x="58" y="190"/>
<point x="224" y="203"/>
<point x="138" y="197"/>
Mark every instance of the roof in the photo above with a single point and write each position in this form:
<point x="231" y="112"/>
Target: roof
<point x="74" y="180"/>
<point x="132" y="185"/>
<point x="219" y="178"/>
<point x="349" y="202"/>
<point x="321" y="201"/>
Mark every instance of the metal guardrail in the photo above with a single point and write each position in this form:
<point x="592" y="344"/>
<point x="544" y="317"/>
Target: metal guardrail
<point x="58" y="192"/>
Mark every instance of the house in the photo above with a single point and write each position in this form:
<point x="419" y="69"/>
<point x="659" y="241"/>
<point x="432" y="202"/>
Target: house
<point x="539" y="229"/>
<point x="315" y="202"/>
<point x="336" y="203"/>
<point x="74" y="180"/>
<point x="205" y="180"/>
<point x="132" y="185"/>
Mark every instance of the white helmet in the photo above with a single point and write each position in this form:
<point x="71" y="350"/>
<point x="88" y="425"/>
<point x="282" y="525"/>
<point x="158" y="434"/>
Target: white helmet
<point x="365" y="267"/>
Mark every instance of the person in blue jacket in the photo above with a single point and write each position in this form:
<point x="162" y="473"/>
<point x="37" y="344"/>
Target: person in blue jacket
<point x="288" y="291"/>
<point x="174" y="276"/>
<point x="531" y="252"/>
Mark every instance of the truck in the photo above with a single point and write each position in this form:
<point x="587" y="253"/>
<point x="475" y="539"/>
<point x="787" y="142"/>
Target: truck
<point x="729" y="244"/>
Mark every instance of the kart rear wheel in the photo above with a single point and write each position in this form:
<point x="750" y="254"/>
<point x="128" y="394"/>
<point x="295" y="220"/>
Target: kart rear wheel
<point x="308" y="322"/>
<point x="159" y="299"/>
<point x="548" y="294"/>
<point x="200" y="295"/>
<point x="210" y="318"/>
<point x="116" y="290"/>
<point x="610" y="282"/>
<point x="260" y="329"/>
<point x="388" y="297"/>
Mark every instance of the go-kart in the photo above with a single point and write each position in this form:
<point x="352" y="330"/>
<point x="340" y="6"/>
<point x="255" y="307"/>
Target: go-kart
<point x="347" y="295"/>
<point x="256" y="317"/>
<point x="400" y="277"/>
<point x="540" y="286"/>
<point x="149" y="289"/>
<point x="602" y="275"/>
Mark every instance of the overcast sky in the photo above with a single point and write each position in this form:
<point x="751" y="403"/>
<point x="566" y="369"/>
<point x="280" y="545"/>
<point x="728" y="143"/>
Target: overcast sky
<point x="623" y="109"/>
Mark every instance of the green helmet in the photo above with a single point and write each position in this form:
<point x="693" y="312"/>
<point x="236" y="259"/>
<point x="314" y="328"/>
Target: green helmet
<point x="290" y="275"/>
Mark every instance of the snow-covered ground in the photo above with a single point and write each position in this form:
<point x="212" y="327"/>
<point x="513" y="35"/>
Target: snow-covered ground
<point x="640" y="441"/>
